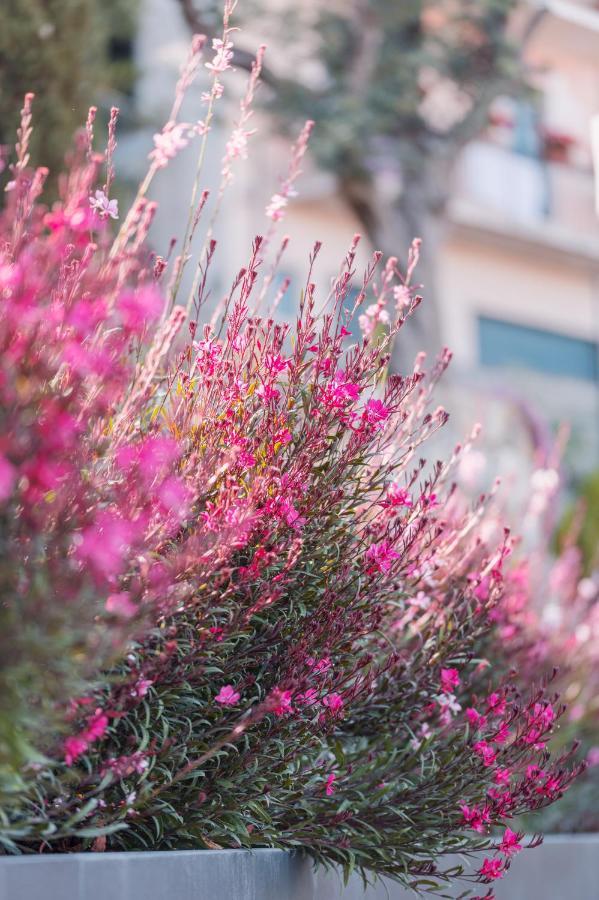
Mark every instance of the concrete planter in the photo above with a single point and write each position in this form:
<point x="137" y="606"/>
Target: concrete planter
<point x="564" y="867"/>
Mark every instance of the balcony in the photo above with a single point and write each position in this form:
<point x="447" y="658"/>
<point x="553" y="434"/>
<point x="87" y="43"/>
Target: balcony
<point x="543" y="201"/>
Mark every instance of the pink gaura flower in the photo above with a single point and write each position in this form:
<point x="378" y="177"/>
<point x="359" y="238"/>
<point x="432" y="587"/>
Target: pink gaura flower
<point x="376" y="413"/>
<point x="74" y="747"/>
<point x="307" y="698"/>
<point x="280" y="702"/>
<point x="334" y="703"/>
<point x="105" y="544"/>
<point x="329" y="786"/>
<point x="510" y="844"/>
<point x="492" y="869"/>
<point x="141" y="687"/>
<point x="246" y="460"/>
<point x="487" y="754"/>
<point x="276" y="207"/>
<point x="268" y="394"/>
<point x="139" y="308"/>
<point x="289" y="513"/>
<point x="476" y="818"/>
<point x="7" y="478"/>
<point x="96" y="726"/>
<point x="475" y="719"/>
<point x="222" y="56"/>
<point x="103" y="206"/>
<point x="501" y="776"/>
<point x="227" y="696"/>
<point x="319" y="666"/>
<point x="496" y="705"/>
<point x="381" y="556"/>
<point x="398" y="496"/>
<point x="429" y="501"/>
<point x="168" y="142"/>
<point x="502" y="735"/>
<point x="450" y="679"/>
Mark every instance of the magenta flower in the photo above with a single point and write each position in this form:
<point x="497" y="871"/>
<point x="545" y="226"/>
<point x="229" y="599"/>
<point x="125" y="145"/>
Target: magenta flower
<point x="329" y="786"/>
<point x="280" y="702"/>
<point x="376" y="413"/>
<point x="139" y="308"/>
<point x="398" y="496"/>
<point x="334" y="703"/>
<point x="510" y="845"/>
<point x="487" y="754"/>
<point x="450" y="679"/>
<point x="7" y="478"/>
<point x="227" y="696"/>
<point x="476" y="720"/>
<point x="74" y="747"/>
<point x="492" y="869"/>
<point x="381" y="555"/>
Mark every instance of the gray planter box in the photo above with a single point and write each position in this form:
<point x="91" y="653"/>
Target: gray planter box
<point x="564" y="868"/>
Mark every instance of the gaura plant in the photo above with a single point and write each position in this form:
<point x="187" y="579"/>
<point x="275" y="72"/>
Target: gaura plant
<point x="238" y="610"/>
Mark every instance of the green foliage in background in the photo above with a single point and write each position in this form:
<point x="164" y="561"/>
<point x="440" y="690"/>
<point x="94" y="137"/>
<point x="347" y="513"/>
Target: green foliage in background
<point x="71" y="54"/>
<point x="582" y="521"/>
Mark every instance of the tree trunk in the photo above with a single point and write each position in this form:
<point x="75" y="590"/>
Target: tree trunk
<point x="391" y="224"/>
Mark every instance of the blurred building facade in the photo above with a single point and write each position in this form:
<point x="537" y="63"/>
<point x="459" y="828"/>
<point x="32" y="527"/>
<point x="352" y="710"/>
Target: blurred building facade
<point x="518" y="269"/>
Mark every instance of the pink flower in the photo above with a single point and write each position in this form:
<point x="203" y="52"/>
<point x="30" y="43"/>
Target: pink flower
<point x="381" y="555"/>
<point x="96" y="726"/>
<point x="475" y="719"/>
<point x="290" y="514"/>
<point x="496" y="705"/>
<point x="141" y="687"/>
<point x="307" y="698"/>
<point x="475" y="818"/>
<point x="175" y="497"/>
<point x="329" y="789"/>
<point x="7" y="478"/>
<point x="429" y="501"/>
<point x="334" y="703"/>
<point x="502" y="735"/>
<point x="276" y="208"/>
<point x="280" y="702"/>
<point x="246" y="460"/>
<point x="501" y="776"/>
<point x="169" y="142"/>
<point x="510" y="845"/>
<point x="398" y="496"/>
<point x="376" y="413"/>
<point x="492" y="869"/>
<point x="319" y="666"/>
<point x="268" y="393"/>
<point x="140" y="308"/>
<point x="103" y="206"/>
<point x="450" y="679"/>
<point x="487" y="754"/>
<point x="222" y="57"/>
<point x="593" y="757"/>
<point x="121" y="605"/>
<point x="227" y="696"/>
<point x="73" y="748"/>
<point x="105" y="543"/>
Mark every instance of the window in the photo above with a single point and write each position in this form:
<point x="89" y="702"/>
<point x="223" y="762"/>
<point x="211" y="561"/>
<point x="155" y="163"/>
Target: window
<point x="519" y="346"/>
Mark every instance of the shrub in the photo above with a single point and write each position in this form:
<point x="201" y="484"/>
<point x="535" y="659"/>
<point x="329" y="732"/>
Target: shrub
<point x="239" y="609"/>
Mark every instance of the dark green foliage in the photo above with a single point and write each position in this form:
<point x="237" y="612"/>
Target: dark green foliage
<point x="60" y="50"/>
